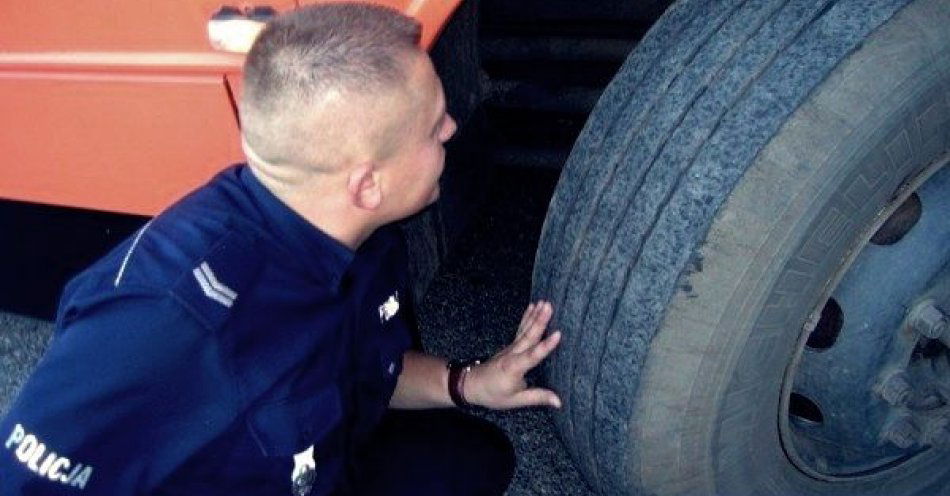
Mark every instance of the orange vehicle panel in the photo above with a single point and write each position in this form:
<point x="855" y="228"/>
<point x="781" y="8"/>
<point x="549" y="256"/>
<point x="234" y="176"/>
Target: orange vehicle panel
<point x="111" y="25"/>
<point x="145" y="160"/>
<point x="433" y="14"/>
<point x="123" y="106"/>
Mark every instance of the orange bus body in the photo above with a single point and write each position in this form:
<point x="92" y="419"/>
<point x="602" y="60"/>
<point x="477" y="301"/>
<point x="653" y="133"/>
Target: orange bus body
<point x="123" y="106"/>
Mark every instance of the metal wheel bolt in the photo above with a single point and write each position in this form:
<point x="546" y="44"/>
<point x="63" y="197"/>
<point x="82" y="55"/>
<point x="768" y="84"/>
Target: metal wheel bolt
<point x="901" y="432"/>
<point x="895" y="388"/>
<point x="930" y="322"/>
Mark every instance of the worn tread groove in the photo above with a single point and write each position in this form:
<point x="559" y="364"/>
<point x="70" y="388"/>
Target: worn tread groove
<point x="706" y="35"/>
<point x="595" y="142"/>
<point x="769" y="11"/>
<point x="789" y="97"/>
<point x="728" y="64"/>
<point x="765" y="66"/>
<point x="622" y="159"/>
<point x="614" y="304"/>
<point x="573" y="176"/>
<point x="585" y="171"/>
<point x="614" y="312"/>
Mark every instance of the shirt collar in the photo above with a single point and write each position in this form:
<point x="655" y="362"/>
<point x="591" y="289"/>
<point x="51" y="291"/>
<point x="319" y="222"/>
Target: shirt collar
<point x="324" y="256"/>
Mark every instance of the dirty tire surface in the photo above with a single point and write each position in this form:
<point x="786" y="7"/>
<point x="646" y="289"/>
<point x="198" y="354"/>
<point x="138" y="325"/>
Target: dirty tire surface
<point x="703" y="109"/>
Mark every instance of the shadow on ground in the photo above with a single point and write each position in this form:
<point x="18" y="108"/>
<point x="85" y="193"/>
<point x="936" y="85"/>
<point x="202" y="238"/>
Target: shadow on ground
<point x="473" y="308"/>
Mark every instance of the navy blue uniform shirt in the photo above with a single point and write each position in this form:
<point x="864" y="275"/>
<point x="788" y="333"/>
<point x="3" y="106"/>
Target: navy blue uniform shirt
<point x="228" y="347"/>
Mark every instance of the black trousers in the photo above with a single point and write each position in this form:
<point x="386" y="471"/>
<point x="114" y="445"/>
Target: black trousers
<point x="434" y="452"/>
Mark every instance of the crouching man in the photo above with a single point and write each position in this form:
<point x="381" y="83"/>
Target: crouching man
<point x="255" y="338"/>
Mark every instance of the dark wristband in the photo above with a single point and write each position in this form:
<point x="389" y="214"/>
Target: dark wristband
<point x="458" y="370"/>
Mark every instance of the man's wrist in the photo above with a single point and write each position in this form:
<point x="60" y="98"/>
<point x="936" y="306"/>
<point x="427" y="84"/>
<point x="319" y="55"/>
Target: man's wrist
<point x="459" y="375"/>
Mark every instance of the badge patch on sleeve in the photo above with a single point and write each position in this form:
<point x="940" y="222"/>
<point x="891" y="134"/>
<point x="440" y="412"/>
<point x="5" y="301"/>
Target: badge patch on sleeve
<point x="44" y="462"/>
<point x="389" y="308"/>
<point x="304" y="472"/>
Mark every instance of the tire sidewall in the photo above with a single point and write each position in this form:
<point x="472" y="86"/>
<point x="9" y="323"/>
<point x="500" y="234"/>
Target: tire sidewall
<point x="726" y="416"/>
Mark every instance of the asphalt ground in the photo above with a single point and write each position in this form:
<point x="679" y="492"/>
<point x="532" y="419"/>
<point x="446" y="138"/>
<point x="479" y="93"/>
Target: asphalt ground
<point x="471" y="309"/>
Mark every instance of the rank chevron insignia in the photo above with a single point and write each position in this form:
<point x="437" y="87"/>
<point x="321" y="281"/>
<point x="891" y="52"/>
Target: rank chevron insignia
<point x="212" y="287"/>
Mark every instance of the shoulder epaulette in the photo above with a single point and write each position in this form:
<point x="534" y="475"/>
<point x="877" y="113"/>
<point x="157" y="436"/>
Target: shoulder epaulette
<point x="217" y="281"/>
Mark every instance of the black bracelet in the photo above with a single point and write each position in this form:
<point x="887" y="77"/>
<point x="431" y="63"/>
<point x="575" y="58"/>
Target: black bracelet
<point x="458" y="369"/>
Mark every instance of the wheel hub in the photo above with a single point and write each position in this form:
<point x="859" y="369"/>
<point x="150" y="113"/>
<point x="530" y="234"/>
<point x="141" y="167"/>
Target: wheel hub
<point x="871" y="386"/>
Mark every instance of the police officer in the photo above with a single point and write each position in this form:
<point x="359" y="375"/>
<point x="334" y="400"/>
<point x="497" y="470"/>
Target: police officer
<point x="251" y="338"/>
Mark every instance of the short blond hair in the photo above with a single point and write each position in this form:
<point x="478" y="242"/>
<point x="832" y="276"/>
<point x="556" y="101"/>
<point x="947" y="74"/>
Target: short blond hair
<point x="301" y="56"/>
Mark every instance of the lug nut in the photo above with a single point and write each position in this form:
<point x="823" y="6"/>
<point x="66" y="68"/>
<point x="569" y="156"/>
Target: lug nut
<point x="930" y="322"/>
<point x="901" y="432"/>
<point x="895" y="388"/>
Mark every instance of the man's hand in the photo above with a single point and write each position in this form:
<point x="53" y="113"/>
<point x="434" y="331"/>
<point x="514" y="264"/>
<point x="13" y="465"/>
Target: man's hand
<point x="499" y="383"/>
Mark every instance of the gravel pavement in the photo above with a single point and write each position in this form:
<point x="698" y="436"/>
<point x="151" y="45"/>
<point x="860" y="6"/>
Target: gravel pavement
<point x="472" y="308"/>
<point x="22" y="342"/>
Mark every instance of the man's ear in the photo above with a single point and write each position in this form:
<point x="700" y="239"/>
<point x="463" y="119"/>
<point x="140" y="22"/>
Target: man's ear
<point x="364" y="188"/>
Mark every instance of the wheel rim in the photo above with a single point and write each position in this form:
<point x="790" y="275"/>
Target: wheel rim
<point x="868" y="389"/>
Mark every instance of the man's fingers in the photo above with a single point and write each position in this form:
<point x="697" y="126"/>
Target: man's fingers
<point x="536" y="397"/>
<point x="530" y="338"/>
<point x="528" y="331"/>
<point x="544" y="315"/>
<point x="534" y="328"/>
<point x="541" y="351"/>
<point x="525" y="317"/>
<point x="531" y="315"/>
